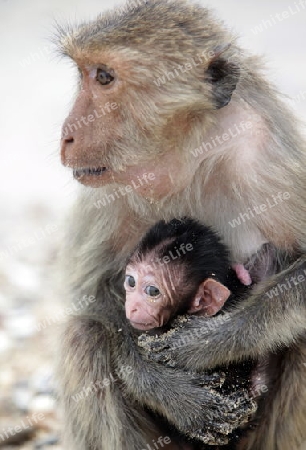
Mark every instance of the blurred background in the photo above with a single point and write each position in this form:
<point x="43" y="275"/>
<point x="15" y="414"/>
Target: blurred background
<point x="36" y="93"/>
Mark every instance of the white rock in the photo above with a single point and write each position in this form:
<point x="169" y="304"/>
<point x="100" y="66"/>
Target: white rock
<point x="6" y="343"/>
<point x="42" y="403"/>
<point x="20" y="324"/>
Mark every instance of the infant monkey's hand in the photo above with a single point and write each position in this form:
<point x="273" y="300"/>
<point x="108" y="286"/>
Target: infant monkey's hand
<point x="243" y="274"/>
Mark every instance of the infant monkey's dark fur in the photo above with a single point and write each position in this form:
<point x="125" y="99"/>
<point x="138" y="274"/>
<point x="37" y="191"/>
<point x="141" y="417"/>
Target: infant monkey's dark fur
<point x="180" y="267"/>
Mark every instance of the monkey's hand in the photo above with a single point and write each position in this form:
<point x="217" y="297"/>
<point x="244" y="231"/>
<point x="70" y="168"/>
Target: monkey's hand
<point x="194" y="403"/>
<point x="220" y="417"/>
<point x="221" y="413"/>
<point x="206" y="413"/>
<point x="165" y="347"/>
<point x="270" y="318"/>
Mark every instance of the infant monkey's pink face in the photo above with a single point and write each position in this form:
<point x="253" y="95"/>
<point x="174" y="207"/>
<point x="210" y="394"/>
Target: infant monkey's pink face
<point x="149" y="304"/>
<point x="152" y="296"/>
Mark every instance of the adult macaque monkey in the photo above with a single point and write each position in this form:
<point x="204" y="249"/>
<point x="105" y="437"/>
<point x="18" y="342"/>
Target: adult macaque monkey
<point x="165" y="90"/>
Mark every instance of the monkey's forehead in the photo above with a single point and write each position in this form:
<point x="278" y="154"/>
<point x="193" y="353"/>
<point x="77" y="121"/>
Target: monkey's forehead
<point x="141" y="24"/>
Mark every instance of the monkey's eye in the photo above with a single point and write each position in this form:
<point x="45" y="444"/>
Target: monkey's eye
<point x="104" y="77"/>
<point x="130" y="281"/>
<point x="152" y="291"/>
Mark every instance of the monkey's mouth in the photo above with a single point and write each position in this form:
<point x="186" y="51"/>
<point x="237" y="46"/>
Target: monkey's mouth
<point x="142" y="326"/>
<point x="94" y="171"/>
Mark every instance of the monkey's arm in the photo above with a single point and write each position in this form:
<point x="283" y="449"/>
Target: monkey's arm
<point x="205" y="414"/>
<point x="273" y="316"/>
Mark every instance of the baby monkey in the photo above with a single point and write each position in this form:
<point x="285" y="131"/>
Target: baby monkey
<point x="182" y="267"/>
<point x="179" y="267"/>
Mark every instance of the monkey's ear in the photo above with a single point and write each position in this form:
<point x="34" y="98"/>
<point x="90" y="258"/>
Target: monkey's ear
<point x="210" y="298"/>
<point x="223" y="75"/>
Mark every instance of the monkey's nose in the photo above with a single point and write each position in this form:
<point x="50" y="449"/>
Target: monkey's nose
<point x="130" y="312"/>
<point x="66" y="148"/>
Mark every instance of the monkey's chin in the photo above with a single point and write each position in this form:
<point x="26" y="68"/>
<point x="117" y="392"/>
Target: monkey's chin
<point x="95" y="177"/>
<point x="142" y="326"/>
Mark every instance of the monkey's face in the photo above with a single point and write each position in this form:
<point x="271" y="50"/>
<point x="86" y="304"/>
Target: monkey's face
<point x="149" y="298"/>
<point x="126" y="122"/>
<point x="92" y="125"/>
<point x="116" y="133"/>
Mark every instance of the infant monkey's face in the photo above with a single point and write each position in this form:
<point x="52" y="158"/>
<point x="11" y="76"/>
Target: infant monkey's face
<point x="154" y="296"/>
<point x="149" y="299"/>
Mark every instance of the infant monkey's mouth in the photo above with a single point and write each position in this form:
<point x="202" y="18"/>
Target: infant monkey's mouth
<point x="90" y="171"/>
<point x="141" y="326"/>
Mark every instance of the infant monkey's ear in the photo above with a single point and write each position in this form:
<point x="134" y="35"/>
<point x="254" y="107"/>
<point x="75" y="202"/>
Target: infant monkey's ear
<point x="209" y="298"/>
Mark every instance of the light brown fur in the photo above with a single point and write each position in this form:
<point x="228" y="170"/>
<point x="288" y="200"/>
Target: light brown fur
<point x="156" y="129"/>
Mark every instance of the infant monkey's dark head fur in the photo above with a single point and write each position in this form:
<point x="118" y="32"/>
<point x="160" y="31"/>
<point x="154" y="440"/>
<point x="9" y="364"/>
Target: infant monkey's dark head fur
<point x="178" y="267"/>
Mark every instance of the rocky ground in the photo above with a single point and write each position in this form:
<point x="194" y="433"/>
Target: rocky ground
<point x="29" y="311"/>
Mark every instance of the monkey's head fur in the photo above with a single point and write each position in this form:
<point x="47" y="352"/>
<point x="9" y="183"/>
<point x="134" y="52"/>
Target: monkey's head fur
<point x="165" y="89"/>
<point x="144" y="92"/>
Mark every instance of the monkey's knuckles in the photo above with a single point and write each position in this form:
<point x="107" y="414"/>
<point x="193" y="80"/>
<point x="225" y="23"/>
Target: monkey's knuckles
<point x="212" y="380"/>
<point x="172" y="348"/>
<point x="155" y="348"/>
<point x="221" y="415"/>
<point x="227" y="413"/>
<point x="209" y="438"/>
<point x="164" y="349"/>
<point x="170" y="352"/>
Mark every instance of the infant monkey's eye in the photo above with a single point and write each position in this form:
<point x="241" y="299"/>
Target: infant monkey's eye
<point x="152" y="291"/>
<point x="130" y="281"/>
<point x="105" y="77"/>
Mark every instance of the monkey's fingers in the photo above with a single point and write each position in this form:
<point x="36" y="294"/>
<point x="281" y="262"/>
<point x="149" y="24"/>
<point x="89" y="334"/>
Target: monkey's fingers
<point x="246" y="407"/>
<point x="180" y="321"/>
<point x="165" y="348"/>
<point x="224" y="413"/>
<point x="162" y="356"/>
<point x="209" y="437"/>
<point x="209" y="410"/>
<point x="159" y="349"/>
<point x="152" y="344"/>
<point x="160" y="341"/>
<point x="210" y="380"/>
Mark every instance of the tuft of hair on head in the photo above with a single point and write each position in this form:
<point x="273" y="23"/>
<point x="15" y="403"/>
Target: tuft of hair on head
<point x="207" y="255"/>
